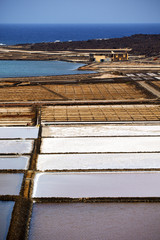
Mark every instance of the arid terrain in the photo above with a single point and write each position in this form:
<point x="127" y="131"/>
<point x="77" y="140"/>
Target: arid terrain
<point x="80" y="133"/>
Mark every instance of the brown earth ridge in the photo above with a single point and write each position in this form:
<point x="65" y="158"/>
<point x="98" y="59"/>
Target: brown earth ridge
<point x="141" y="44"/>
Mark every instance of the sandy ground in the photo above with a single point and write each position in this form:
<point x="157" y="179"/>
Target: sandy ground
<point x="108" y="75"/>
<point x="134" y="64"/>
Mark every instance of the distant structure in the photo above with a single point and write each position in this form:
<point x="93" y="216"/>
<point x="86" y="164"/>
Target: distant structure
<point x="110" y="56"/>
<point x="106" y="55"/>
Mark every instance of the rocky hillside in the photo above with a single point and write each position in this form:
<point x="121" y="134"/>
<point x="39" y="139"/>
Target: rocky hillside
<point x="141" y="44"/>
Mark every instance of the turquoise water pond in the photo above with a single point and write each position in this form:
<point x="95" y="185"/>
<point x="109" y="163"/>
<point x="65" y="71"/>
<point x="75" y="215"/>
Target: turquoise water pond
<point x="13" y="68"/>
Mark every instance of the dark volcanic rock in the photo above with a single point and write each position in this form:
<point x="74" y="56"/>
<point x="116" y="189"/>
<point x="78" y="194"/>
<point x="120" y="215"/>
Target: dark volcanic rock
<point x="141" y="44"/>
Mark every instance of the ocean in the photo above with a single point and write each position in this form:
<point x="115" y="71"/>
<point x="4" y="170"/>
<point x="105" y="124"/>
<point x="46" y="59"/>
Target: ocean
<point x="11" y="34"/>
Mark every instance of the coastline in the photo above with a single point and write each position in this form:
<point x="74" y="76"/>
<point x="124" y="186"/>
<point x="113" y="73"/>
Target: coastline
<point x="141" y="44"/>
<point x="24" y="33"/>
<point x="70" y="52"/>
<point x="111" y="97"/>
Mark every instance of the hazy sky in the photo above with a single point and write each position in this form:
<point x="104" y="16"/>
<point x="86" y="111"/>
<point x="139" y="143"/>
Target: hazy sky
<point x="82" y="11"/>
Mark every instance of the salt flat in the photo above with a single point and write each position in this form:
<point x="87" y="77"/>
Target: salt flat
<point x="16" y="146"/>
<point x="98" y="161"/>
<point x="100" y="144"/>
<point x="99" y="130"/>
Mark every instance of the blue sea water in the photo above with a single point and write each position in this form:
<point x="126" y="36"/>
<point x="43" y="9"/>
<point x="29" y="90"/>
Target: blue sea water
<point x="11" y="34"/>
<point x="38" y="68"/>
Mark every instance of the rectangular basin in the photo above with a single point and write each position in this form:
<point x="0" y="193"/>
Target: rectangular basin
<point x="10" y="183"/>
<point x="14" y="162"/>
<point x="95" y="185"/>
<point x="100" y="144"/>
<point x="16" y="146"/>
<point x="18" y="132"/>
<point x="93" y="221"/>
<point x="6" y="208"/>
<point x="98" y="161"/>
<point x="89" y="130"/>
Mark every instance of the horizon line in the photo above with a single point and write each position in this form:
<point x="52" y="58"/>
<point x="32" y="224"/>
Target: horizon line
<point x="84" y="23"/>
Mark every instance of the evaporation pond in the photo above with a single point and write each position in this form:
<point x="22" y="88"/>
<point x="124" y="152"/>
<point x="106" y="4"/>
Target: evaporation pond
<point x="93" y="221"/>
<point x="6" y="208"/>
<point x="98" y="130"/>
<point x="100" y="144"/>
<point x="98" y="161"/>
<point x="16" y="146"/>
<point x="14" y="162"/>
<point x="38" y="68"/>
<point x="10" y="183"/>
<point x="18" y="132"/>
<point x="100" y="184"/>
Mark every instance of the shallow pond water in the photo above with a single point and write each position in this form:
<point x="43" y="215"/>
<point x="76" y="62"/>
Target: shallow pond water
<point x="18" y="132"/>
<point x="14" y="162"/>
<point x="93" y="221"/>
<point x="10" y="183"/>
<point x="98" y="161"/>
<point x="100" y="184"/>
<point x="6" y="209"/>
<point x="38" y="68"/>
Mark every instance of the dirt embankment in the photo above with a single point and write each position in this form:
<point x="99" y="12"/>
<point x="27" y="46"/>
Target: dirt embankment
<point x="141" y="44"/>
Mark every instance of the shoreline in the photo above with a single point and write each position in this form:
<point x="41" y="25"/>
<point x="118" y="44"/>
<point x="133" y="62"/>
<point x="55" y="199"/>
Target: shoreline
<point x="71" y="52"/>
<point x="141" y="44"/>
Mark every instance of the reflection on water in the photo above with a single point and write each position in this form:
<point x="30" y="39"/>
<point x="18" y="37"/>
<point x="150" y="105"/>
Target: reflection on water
<point x="18" y="132"/>
<point x="88" y="185"/>
<point x="10" y="184"/>
<point x="5" y="217"/>
<point x="12" y="162"/>
<point x="94" y="221"/>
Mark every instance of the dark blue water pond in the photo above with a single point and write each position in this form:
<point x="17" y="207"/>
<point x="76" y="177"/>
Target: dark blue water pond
<point x="38" y="68"/>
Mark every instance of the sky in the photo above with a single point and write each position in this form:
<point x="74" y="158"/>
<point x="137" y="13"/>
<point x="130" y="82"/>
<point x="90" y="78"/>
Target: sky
<point x="79" y="11"/>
